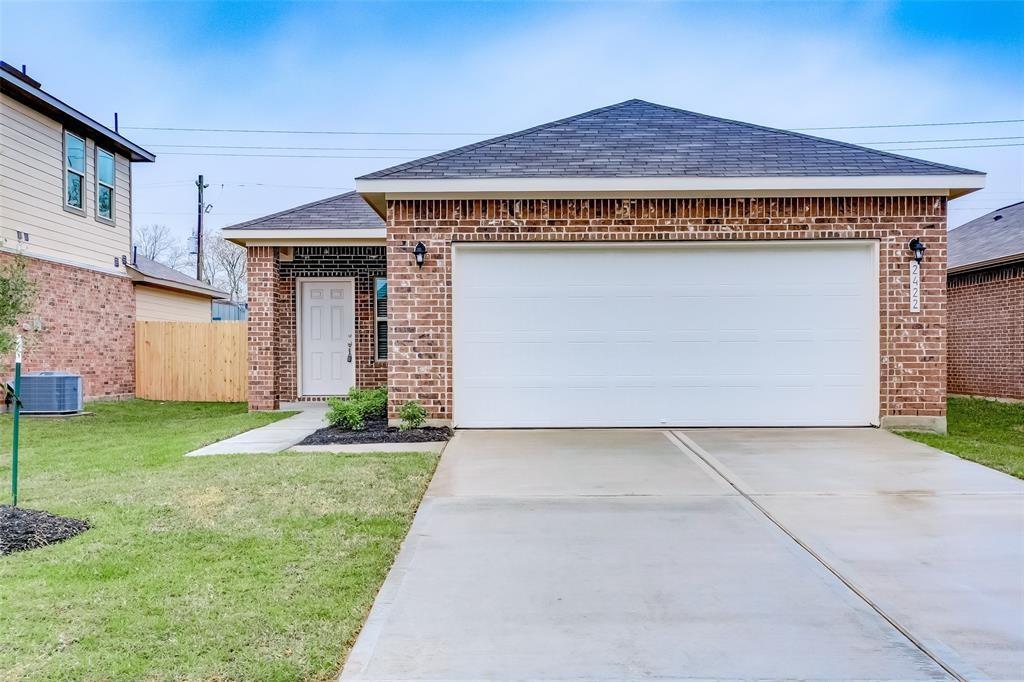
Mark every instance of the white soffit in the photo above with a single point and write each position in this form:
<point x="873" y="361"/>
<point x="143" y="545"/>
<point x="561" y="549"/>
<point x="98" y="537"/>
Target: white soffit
<point x="310" y="237"/>
<point x="950" y="185"/>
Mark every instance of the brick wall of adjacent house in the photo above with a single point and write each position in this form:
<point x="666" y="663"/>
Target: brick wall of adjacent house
<point x="913" y="345"/>
<point x="273" y="371"/>
<point x="86" y="325"/>
<point x="986" y="332"/>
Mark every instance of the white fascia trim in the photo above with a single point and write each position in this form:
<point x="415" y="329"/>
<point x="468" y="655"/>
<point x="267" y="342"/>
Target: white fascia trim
<point x="954" y="185"/>
<point x="291" y="237"/>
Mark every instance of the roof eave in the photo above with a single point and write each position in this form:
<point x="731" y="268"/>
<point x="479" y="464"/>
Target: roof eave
<point x="986" y="264"/>
<point x="305" y="237"/>
<point x="377" y="190"/>
<point x="47" y="104"/>
<point x="140" y="278"/>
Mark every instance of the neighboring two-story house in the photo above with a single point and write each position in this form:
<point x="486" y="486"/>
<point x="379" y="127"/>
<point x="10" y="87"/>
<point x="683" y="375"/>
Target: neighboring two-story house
<point x="66" y="205"/>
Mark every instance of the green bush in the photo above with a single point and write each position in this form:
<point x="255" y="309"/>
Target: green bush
<point x="413" y="415"/>
<point x="361" y="404"/>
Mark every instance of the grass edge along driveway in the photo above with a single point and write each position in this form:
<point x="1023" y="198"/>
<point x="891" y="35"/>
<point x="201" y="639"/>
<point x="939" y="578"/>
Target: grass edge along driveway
<point x="233" y="567"/>
<point x="988" y="432"/>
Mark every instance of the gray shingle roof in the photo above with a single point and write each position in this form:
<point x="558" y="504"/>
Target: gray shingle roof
<point x="640" y="139"/>
<point x="995" y="236"/>
<point x="348" y="211"/>
<point x="153" y="270"/>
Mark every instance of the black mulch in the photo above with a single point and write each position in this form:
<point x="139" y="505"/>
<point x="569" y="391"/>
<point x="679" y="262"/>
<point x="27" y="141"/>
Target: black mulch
<point x="22" y="529"/>
<point x="377" y="431"/>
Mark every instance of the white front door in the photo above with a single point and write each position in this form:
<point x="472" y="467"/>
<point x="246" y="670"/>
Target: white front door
<point x="326" y="337"/>
<point x="698" y="334"/>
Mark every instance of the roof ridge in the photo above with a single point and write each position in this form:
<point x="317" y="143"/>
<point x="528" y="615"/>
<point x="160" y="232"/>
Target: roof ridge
<point x="256" y="221"/>
<point x="840" y="143"/>
<point x="494" y="140"/>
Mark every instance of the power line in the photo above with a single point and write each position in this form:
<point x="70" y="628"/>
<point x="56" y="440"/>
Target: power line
<point x="329" y="149"/>
<point x="477" y="134"/>
<point x="948" y="139"/>
<point x="296" y="132"/>
<point x="915" y="125"/>
<point x="283" y="156"/>
<point x="966" y="146"/>
<point x="439" y="149"/>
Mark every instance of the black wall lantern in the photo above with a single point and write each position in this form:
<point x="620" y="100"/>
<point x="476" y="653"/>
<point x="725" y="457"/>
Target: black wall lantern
<point x="918" y="248"/>
<point x="421" y="251"/>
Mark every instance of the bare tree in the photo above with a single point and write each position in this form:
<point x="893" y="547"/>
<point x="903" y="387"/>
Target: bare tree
<point x="225" y="265"/>
<point x="157" y="243"/>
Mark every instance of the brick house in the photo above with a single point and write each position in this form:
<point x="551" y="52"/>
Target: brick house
<point x="66" y="207"/>
<point x="635" y="265"/>
<point x="986" y="305"/>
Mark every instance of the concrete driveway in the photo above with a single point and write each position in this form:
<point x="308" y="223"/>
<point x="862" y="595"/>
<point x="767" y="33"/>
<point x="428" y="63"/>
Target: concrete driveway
<point x="704" y="554"/>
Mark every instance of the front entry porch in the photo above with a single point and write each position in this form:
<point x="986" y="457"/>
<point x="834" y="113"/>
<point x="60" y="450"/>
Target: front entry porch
<point x="317" y="322"/>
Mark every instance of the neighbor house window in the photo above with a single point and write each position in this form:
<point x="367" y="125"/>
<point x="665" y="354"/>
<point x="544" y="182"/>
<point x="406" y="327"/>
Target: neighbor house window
<point x="74" y="171"/>
<point x="104" y="185"/>
<point x="380" y="288"/>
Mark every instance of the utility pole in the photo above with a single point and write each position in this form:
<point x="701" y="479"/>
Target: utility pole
<point x="199" y="229"/>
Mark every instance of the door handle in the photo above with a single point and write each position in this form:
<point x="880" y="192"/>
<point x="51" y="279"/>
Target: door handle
<point x="350" y="351"/>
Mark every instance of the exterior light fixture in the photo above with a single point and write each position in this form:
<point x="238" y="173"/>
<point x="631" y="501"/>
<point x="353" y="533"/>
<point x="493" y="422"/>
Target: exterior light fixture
<point x="421" y="251"/>
<point x="918" y="248"/>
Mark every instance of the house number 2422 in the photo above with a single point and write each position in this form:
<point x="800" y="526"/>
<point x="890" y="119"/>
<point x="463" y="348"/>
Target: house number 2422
<point x="915" y="287"/>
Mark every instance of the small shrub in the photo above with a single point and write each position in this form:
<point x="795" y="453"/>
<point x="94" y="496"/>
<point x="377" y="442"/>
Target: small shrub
<point x="361" y="404"/>
<point x="345" y="413"/>
<point x="373" y="401"/>
<point x="413" y="415"/>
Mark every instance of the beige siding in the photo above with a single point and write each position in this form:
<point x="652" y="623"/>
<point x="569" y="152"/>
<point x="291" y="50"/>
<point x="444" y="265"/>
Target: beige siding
<point x="164" y="305"/>
<point x="32" y="194"/>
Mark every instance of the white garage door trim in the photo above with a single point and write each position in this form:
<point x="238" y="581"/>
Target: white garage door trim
<point x="818" y="259"/>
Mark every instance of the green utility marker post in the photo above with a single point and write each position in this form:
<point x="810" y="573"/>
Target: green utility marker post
<point x="17" y="414"/>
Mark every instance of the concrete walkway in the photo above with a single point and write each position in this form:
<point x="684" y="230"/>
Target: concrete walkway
<point x="271" y="438"/>
<point x="835" y="554"/>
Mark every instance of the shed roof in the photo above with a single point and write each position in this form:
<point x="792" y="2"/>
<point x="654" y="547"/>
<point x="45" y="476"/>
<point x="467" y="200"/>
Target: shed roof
<point x="148" y="271"/>
<point x="994" y="238"/>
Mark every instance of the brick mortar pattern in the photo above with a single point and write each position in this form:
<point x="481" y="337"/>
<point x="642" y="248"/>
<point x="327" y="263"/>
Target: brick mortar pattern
<point x="275" y="365"/>
<point x="88" y="328"/>
<point x="912" y="345"/>
<point x="986" y="332"/>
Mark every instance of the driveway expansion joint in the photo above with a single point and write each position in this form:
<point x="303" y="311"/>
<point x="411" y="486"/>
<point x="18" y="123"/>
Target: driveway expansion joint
<point x="685" y="443"/>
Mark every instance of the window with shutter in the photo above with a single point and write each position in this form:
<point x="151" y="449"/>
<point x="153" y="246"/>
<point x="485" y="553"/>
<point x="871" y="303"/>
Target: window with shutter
<point x="380" y="287"/>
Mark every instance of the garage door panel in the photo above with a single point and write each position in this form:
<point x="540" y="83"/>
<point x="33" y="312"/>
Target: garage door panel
<point x="572" y="335"/>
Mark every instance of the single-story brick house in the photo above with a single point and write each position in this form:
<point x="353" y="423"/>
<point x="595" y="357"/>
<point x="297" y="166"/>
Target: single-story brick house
<point x="635" y="265"/>
<point x="986" y="305"/>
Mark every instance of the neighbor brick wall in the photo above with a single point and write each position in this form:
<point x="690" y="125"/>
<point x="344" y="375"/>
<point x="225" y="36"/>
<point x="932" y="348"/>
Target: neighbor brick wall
<point x="913" y="353"/>
<point x="87" y="321"/>
<point x="272" y="318"/>
<point x="986" y="332"/>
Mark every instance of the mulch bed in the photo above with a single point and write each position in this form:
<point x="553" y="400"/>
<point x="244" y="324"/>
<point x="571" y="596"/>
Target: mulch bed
<point x="377" y="431"/>
<point x="22" y="529"/>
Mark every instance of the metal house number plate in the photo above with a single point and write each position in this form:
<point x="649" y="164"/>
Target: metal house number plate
<point x="915" y="287"/>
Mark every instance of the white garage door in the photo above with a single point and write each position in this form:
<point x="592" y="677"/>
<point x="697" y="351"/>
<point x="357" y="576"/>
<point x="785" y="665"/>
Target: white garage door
<point x="708" y="334"/>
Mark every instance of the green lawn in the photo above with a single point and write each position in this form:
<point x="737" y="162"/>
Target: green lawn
<point x="983" y="431"/>
<point x="239" y="567"/>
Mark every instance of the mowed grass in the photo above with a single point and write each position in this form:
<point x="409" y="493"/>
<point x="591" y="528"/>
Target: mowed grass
<point x="241" y="567"/>
<point x="983" y="431"/>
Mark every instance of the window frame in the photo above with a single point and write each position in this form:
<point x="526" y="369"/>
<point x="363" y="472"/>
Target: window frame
<point x="66" y="168"/>
<point x="99" y="183"/>
<point x="377" y="319"/>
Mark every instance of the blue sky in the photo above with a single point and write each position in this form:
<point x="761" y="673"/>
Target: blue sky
<point x="491" y="68"/>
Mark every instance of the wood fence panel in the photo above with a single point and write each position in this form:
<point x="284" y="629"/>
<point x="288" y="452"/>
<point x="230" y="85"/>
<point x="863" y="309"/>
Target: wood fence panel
<point x="199" y="361"/>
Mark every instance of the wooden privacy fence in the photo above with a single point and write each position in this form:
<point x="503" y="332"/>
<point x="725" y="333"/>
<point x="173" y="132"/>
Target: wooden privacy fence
<point x="202" y="361"/>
